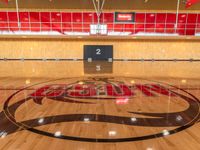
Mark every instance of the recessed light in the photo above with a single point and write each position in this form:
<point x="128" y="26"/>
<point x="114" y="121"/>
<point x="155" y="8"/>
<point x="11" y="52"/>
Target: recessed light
<point x="112" y="133"/>
<point x="183" y="81"/>
<point x="132" y="81"/>
<point x="179" y="118"/>
<point x="3" y="134"/>
<point x="57" y="134"/>
<point x="28" y="81"/>
<point x="122" y="101"/>
<point x="41" y="120"/>
<point x="81" y="82"/>
<point x="189" y="37"/>
<point x="133" y="119"/>
<point x="149" y="148"/>
<point x="86" y="119"/>
<point x="166" y="132"/>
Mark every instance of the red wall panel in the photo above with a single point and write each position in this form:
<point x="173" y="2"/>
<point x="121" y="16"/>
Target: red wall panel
<point x="139" y="27"/>
<point x="140" y="18"/>
<point x="3" y="21"/>
<point x="191" y="24"/>
<point x="108" y="18"/>
<point x="13" y="22"/>
<point x="160" y="28"/>
<point x="67" y="17"/>
<point x="35" y="21"/>
<point x="55" y="17"/>
<point x="118" y="27"/>
<point x="24" y="21"/>
<point x="171" y="18"/>
<point x="88" y="17"/>
<point x="77" y="17"/>
<point x="198" y="24"/>
<point x="188" y="23"/>
<point x="150" y="18"/>
<point x="45" y="21"/>
<point x="161" y="17"/>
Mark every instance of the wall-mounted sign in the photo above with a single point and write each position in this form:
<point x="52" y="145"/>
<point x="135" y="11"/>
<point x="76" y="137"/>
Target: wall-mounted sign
<point x="125" y="17"/>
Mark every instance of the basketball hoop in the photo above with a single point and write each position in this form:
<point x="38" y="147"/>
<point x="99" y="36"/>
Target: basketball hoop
<point x="98" y="5"/>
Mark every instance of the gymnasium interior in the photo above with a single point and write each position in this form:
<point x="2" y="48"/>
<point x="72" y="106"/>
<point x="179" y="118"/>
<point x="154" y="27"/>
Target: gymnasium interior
<point x="99" y="75"/>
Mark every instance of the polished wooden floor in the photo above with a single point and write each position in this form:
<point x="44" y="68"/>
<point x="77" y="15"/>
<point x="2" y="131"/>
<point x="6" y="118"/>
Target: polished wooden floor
<point x="75" y="105"/>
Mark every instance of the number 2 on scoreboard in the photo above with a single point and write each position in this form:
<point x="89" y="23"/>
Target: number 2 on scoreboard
<point x="98" y="51"/>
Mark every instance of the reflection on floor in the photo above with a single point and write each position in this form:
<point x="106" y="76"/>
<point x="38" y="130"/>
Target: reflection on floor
<point x="99" y="105"/>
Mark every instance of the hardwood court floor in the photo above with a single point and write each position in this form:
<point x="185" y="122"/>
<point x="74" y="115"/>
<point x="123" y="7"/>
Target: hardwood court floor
<point x="99" y="105"/>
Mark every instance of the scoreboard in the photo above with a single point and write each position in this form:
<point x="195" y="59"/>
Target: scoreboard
<point x="98" y="52"/>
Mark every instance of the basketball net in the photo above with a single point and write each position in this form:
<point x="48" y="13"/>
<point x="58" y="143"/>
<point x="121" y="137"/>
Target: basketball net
<point x="98" y="5"/>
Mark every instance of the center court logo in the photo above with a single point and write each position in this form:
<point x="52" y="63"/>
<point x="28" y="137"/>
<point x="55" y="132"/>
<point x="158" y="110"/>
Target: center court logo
<point x="116" y="102"/>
